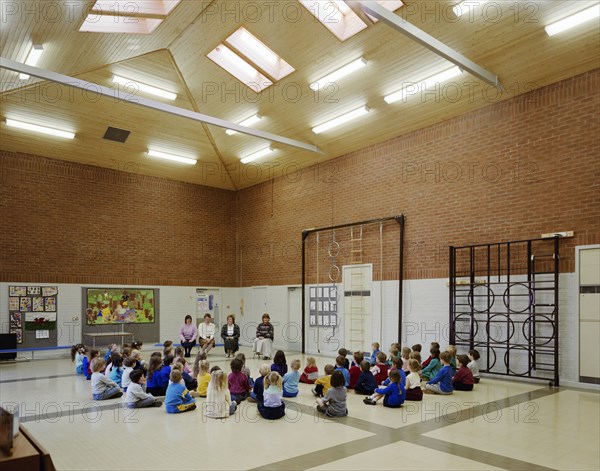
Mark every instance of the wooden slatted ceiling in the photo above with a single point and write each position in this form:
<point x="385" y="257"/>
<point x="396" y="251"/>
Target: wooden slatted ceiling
<point x="515" y="47"/>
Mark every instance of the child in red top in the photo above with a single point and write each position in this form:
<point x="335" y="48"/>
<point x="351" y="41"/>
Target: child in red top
<point x="311" y="372"/>
<point x="380" y="370"/>
<point x="463" y="379"/>
<point x="355" y="370"/>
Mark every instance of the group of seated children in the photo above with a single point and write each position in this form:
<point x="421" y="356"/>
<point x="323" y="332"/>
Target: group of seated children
<point x="394" y="379"/>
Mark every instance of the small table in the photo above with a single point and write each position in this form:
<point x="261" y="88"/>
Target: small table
<point x="95" y="335"/>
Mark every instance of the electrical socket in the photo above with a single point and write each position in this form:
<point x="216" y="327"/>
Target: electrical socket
<point x="560" y="234"/>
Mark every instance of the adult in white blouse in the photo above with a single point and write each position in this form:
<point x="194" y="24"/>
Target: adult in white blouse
<point x="206" y="334"/>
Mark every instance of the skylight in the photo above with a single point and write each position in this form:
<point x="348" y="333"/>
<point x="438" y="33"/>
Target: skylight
<point x="239" y="68"/>
<point x="259" y="54"/>
<point x="125" y="16"/>
<point x="339" y="18"/>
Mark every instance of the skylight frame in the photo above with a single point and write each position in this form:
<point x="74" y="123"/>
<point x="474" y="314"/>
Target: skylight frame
<point x="259" y="54"/>
<point x="233" y="64"/>
<point x="95" y="23"/>
<point x="128" y="8"/>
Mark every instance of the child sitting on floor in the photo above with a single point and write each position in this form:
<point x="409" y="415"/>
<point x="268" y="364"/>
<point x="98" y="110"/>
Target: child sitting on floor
<point x="177" y="398"/>
<point x="433" y="366"/>
<point x="272" y="407"/>
<point x="473" y="365"/>
<point x="311" y="371"/>
<point x="413" y="382"/>
<point x="366" y="383"/>
<point x="128" y="364"/>
<point x="323" y="384"/>
<point x="373" y="357"/>
<point x="334" y="402"/>
<point x="259" y="385"/>
<point x="463" y="379"/>
<point x="116" y="373"/>
<point x="393" y="394"/>
<point x="452" y="350"/>
<point x="442" y="383"/>
<point x="218" y="403"/>
<point x="203" y="378"/>
<point x="340" y="361"/>
<point x="137" y="397"/>
<point x="77" y="354"/>
<point x="279" y="363"/>
<point x="355" y="369"/>
<point x="238" y="381"/>
<point x="291" y="380"/>
<point x="240" y="356"/>
<point x="344" y="353"/>
<point x="432" y="345"/>
<point x="380" y="370"/>
<point x="405" y="355"/>
<point x="102" y="387"/>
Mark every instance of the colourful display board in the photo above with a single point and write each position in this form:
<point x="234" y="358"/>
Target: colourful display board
<point x="109" y="306"/>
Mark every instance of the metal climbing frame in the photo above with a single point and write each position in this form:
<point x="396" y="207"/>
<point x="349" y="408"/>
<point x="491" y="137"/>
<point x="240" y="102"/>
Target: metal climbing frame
<point x="504" y="303"/>
<point x="305" y="233"/>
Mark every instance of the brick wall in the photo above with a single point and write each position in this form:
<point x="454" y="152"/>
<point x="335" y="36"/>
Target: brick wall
<point x="512" y="170"/>
<point x="68" y="223"/>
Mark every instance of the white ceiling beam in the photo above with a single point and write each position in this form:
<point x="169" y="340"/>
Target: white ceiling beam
<point x="426" y="40"/>
<point x="149" y="103"/>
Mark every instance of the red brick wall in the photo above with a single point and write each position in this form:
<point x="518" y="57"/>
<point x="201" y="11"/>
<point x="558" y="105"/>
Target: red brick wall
<point x="68" y="223"/>
<point x="512" y="170"/>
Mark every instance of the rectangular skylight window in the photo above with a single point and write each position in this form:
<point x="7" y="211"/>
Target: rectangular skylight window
<point x="95" y="23"/>
<point x="259" y="54"/>
<point x="336" y="16"/>
<point x="239" y="68"/>
<point x="339" y="18"/>
<point x="130" y="8"/>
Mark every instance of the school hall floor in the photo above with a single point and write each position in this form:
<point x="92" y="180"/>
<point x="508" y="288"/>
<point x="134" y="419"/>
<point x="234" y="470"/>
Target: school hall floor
<point x="500" y="425"/>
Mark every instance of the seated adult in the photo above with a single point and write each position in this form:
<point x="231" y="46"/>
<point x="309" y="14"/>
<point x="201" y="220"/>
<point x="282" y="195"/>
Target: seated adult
<point x="187" y="335"/>
<point x="230" y="333"/>
<point x="263" y="343"/>
<point x="206" y="334"/>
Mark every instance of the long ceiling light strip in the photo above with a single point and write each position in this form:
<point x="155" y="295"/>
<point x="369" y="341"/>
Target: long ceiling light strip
<point x="572" y="21"/>
<point x="40" y="129"/>
<point x="248" y="122"/>
<point x="338" y="74"/>
<point x="413" y="88"/>
<point x="175" y="158"/>
<point x="144" y="87"/>
<point x="341" y="120"/>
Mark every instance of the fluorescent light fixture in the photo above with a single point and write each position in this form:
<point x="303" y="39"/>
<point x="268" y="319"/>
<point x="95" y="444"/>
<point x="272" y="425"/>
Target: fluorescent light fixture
<point x="142" y="87"/>
<point x="338" y="74"/>
<point x="32" y="58"/>
<point x="239" y="68"/>
<point x="467" y="6"/>
<point x="257" y="52"/>
<point x="175" y="158"/>
<point x="422" y="85"/>
<point x="574" y="20"/>
<point x="255" y="118"/>
<point x="341" y="120"/>
<point x="40" y="129"/>
<point x="257" y="155"/>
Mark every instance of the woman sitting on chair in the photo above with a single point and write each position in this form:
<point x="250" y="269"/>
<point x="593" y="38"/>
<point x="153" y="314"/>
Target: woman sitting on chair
<point x="263" y="343"/>
<point x="206" y="334"/>
<point x="230" y="333"/>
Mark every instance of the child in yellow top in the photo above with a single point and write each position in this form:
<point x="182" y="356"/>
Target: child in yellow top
<point x="322" y="385"/>
<point x="203" y="378"/>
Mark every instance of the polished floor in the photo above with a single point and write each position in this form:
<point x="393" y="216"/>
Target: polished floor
<point x="500" y="425"/>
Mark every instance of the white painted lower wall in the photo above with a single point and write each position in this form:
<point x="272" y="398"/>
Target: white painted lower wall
<point x="425" y="316"/>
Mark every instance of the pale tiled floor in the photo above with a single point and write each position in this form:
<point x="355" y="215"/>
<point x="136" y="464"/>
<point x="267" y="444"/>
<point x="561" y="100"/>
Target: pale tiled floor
<point x="500" y="425"/>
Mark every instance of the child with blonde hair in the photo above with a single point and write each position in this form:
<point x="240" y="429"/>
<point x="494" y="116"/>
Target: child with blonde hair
<point x="373" y="358"/>
<point x="413" y="381"/>
<point x="311" y="371"/>
<point x="177" y="398"/>
<point x="180" y="353"/>
<point x="405" y="357"/>
<point x="218" y="403"/>
<point x="272" y="407"/>
<point x="452" y="350"/>
<point x="259" y="385"/>
<point x="291" y="379"/>
<point x="334" y="402"/>
<point x="203" y="378"/>
<point x="102" y="387"/>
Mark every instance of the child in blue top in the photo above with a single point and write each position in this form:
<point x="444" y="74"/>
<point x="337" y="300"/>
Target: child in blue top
<point x="178" y="398"/>
<point x="259" y="386"/>
<point x="373" y="358"/>
<point x="393" y="394"/>
<point x="442" y="383"/>
<point x="366" y="381"/>
<point x="291" y="380"/>
<point x="339" y="365"/>
<point x="279" y="363"/>
<point x="77" y="355"/>
<point x="116" y="373"/>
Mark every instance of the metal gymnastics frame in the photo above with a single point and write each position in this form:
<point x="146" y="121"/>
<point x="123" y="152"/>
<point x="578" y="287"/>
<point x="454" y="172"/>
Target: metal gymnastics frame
<point x="528" y="322"/>
<point x="306" y="232"/>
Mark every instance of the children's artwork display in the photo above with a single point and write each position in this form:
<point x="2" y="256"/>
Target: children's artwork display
<point x="106" y="306"/>
<point x="32" y="308"/>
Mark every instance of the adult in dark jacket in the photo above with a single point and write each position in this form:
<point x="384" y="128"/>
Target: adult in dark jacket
<point x="230" y="333"/>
